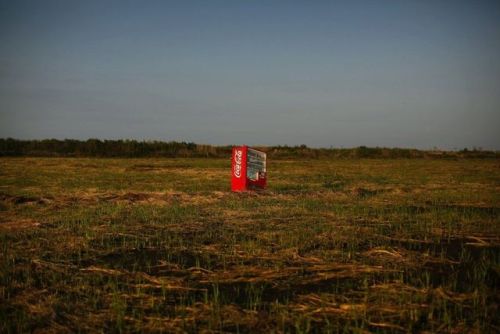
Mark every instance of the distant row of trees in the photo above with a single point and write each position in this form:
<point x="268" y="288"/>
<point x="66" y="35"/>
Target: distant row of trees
<point x="134" y="148"/>
<point x="106" y="148"/>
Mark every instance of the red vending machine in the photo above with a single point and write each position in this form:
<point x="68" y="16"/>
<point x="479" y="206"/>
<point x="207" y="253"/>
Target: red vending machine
<point x="248" y="169"/>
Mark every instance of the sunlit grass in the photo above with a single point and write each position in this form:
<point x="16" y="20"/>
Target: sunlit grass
<point x="332" y="246"/>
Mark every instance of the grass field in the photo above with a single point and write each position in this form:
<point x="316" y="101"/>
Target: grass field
<point x="162" y="245"/>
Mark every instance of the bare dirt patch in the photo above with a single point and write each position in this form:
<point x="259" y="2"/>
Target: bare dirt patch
<point x="22" y="199"/>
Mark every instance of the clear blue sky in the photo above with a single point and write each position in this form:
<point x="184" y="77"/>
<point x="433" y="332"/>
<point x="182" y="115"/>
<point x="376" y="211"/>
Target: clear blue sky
<point x="322" y="73"/>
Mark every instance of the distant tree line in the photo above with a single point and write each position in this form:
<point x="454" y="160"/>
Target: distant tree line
<point x="134" y="148"/>
<point x="106" y="148"/>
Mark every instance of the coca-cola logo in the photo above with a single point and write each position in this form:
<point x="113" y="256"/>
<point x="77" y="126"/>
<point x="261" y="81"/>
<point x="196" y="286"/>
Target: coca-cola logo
<point x="238" y="155"/>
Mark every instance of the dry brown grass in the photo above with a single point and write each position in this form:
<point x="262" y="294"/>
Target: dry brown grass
<point x="163" y="246"/>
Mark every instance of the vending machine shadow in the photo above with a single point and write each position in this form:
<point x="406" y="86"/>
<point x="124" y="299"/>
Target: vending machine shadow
<point x="248" y="169"/>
